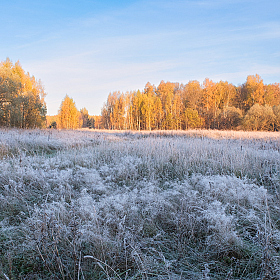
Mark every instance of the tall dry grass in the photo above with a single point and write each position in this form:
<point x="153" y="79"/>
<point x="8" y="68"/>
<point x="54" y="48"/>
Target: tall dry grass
<point x="139" y="205"/>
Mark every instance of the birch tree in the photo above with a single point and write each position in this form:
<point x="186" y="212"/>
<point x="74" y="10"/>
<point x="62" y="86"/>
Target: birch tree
<point x="68" y="114"/>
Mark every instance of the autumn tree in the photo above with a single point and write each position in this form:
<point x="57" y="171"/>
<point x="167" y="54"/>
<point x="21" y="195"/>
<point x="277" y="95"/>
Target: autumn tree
<point x="227" y="94"/>
<point x="215" y="105"/>
<point x="159" y="114"/>
<point x="192" y="95"/>
<point x="276" y="111"/>
<point x="119" y="112"/>
<point x="253" y="91"/>
<point x="216" y="98"/>
<point x="147" y="106"/>
<point x="21" y="97"/>
<point x="96" y="122"/>
<point x="259" y="118"/>
<point x="68" y="114"/>
<point x="208" y="101"/>
<point x="229" y="118"/>
<point x="191" y="119"/>
<point x="113" y="111"/>
<point x="84" y="116"/>
<point x="105" y="117"/>
<point x="136" y="108"/>
<point x="272" y="94"/>
<point x="165" y="91"/>
<point x="107" y="111"/>
<point x="129" y="110"/>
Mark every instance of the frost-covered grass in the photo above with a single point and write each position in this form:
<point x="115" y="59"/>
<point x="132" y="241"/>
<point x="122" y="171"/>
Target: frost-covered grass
<point x="139" y="205"/>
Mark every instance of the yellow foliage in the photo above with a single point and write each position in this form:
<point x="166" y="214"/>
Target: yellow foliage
<point x="68" y="115"/>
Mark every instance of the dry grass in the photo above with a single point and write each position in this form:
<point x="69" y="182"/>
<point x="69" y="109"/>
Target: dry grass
<point x="139" y="205"/>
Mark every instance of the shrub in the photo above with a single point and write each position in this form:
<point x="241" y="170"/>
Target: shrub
<point x="259" y="118"/>
<point x="276" y="110"/>
<point x="230" y="118"/>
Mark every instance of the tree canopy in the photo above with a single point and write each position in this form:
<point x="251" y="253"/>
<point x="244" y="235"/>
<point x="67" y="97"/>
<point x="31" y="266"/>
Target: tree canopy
<point x="253" y="105"/>
<point x="22" y="101"/>
<point x="212" y="105"/>
<point x="68" y="114"/>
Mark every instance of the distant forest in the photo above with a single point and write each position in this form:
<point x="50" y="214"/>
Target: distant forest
<point x="169" y="106"/>
<point x="250" y="106"/>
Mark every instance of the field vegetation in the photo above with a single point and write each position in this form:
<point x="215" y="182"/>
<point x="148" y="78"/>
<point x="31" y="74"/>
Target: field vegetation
<point x="129" y="205"/>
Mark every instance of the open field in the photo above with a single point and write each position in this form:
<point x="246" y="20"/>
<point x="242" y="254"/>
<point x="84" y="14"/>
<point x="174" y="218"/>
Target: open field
<point x="139" y="205"/>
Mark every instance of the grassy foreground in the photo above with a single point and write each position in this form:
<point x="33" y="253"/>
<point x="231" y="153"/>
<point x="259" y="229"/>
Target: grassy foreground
<point x="139" y="205"/>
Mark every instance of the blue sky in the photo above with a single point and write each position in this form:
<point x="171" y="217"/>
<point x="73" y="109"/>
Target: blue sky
<point x="87" y="49"/>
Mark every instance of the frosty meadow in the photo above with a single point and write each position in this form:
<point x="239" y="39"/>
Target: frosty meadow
<point x="129" y="205"/>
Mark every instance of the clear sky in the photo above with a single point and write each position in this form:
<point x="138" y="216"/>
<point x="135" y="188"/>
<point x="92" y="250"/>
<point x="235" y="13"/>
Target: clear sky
<point x="88" y="48"/>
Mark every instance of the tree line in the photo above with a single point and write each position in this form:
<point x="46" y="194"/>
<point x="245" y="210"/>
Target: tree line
<point x="22" y="101"/>
<point x="169" y="106"/>
<point x="211" y="105"/>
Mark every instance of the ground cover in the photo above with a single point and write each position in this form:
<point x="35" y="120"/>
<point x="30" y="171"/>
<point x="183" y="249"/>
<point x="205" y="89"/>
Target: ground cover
<point x="139" y="205"/>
